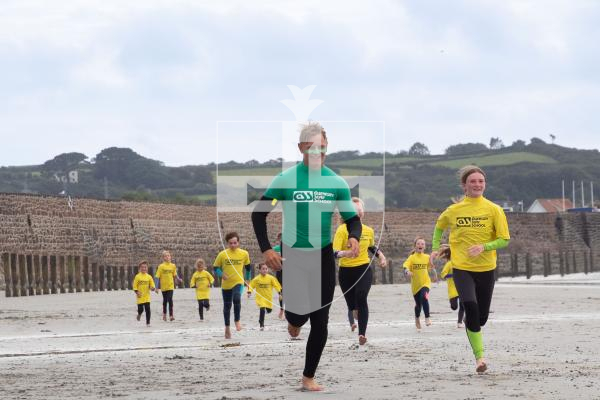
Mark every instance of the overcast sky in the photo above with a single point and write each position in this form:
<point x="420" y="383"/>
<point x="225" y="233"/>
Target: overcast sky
<point x="156" y="76"/>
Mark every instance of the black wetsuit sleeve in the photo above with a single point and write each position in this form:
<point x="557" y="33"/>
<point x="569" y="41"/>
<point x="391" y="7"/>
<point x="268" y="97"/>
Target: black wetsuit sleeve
<point x="259" y="222"/>
<point x="354" y="227"/>
<point x="374" y="250"/>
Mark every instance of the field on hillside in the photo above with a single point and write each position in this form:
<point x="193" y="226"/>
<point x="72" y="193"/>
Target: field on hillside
<point x="366" y="166"/>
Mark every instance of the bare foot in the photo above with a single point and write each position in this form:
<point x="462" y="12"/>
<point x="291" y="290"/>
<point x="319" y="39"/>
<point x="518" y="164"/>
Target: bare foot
<point x="362" y="339"/>
<point x="309" y="384"/>
<point x="164" y="317"/>
<point x="427" y="321"/>
<point x="227" y="333"/>
<point x="418" y="323"/>
<point x="171" y="318"/>
<point x="353" y="327"/>
<point x="238" y="326"/>
<point x="481" y="366"/>
<point x="294" y="332"/>
<point x="281" y="315"/>
<point x="138" y="317"/>
<point x="460" y="325"/>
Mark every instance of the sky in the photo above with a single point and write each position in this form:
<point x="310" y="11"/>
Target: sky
<point x="170" y="79"/>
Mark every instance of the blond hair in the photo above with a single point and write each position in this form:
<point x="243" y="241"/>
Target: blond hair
<point x="359" y="201"/>
<point x="200" y="261"/>
<point x="310" y="129"/>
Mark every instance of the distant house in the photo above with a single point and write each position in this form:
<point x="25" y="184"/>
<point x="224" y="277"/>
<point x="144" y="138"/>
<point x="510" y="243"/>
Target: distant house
<point x="549" y="206"/>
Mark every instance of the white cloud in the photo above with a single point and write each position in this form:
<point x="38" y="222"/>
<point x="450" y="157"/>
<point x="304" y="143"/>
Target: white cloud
<point x="156" y="75"/>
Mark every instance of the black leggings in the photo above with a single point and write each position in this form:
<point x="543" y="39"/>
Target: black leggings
<point x="456" y="303"/>
<point x="202" y="304"/>
<point x="261" y="315"/>
<point x="167" y="299"/>
<point x="422" y="300"/>
<point x="279" y="275"/>
<point x="233" y="295"/>
<point x="144" y="307"/>
<point x="319" y="319"/>
<point x="475" y="290"/>
<point x="355" y="282"/>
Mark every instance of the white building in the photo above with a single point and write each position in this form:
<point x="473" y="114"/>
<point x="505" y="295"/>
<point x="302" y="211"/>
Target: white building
<point x="549" y="205"/>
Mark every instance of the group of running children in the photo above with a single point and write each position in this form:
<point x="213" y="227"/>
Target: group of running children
<point x="233" y="266"/>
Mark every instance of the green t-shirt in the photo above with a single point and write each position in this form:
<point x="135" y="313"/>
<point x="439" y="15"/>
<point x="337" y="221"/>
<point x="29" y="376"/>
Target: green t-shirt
<point x="309" y="198"/>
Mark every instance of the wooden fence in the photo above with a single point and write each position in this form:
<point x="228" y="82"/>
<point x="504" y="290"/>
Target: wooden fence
<point x="39" y="274"/>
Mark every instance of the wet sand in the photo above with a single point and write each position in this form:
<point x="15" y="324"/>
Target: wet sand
<point x="542" y="342"/>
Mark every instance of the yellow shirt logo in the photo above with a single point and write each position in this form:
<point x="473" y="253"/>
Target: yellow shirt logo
<point x="462" y="222"/>
<point x="471" y="222"/>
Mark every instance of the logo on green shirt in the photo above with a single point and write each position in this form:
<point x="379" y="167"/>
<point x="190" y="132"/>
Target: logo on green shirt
<point x="302" y="196"/>
<point x="316" y="196"/>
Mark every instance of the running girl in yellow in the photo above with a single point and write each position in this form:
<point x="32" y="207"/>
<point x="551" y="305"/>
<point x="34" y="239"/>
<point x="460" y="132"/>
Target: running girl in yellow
<point x="202" y="280"/>
<point x="478" y="228"/>
<point x="143" y="284"/>
<point x="355" y="274"/>
<point x="446" y="274"/>
<point x="167" y="275"/>
<point x="417" y="266"/>
<point x="230" y="264"/>
<point x="264" y="285"/>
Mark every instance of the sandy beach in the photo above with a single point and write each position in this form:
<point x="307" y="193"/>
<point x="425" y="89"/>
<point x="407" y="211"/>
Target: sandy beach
<point x="541" y="342"/>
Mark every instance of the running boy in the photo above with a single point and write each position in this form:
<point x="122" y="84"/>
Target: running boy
<point x="229" y="264"/>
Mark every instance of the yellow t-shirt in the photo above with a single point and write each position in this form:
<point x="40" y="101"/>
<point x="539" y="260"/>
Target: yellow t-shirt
<point x="232" y="263"/>
<point x="202" y="281"/>
<point x="447" y="270"/>
<point x="142" y="283"/>
<point x="367" y="239"/>
<point x="264" y="286"/>
<point x="473" y="221"/>
<point x="418" y="264"/>
<point x="165" y="272"/>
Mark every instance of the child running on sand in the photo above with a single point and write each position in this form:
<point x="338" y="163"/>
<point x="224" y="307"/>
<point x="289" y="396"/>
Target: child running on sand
<point x="446" y="274"/>
<point x="167" y="275"/>
<point x="143" y="284"/>
<point x="417" y="266"/>
<point x="202" y="280"/>
<point x="264" y="285"/>
<point x="478" y="228"/>
<point x="279" y="276"/>
<point x="230" y="265"/>
<point x="355" y="273"/>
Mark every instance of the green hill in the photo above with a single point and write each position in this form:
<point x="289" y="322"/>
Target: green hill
<point x="521" y="172"/>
